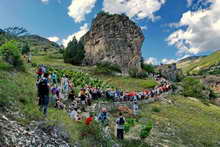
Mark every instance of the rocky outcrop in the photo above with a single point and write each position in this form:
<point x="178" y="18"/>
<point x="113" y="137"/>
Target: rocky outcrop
<point x="36" y="134"/>
<point x="115" y="39"/>
<point x="170" y="72"/>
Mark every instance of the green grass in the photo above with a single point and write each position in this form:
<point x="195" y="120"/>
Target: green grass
<point x="202" y="64"/>
<point x="18" y="93"/>
<point x="54" y="61"/>
<point x="194" y="123"/>
<point x="128" y="83"/>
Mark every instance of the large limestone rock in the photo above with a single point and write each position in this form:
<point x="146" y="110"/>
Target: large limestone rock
<point x="115" y="39"/>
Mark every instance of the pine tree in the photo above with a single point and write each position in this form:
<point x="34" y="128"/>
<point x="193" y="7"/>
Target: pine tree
<point x="74" y="52"/>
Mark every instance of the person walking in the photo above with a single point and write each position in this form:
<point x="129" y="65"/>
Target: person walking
<point x="103" y="117"/>
<point x="54" y="78"/>
<point x="120" y="126"/>
<point x="135" y="108"/>
<point x="43" y="89"/>
<point x="82" y="96"/>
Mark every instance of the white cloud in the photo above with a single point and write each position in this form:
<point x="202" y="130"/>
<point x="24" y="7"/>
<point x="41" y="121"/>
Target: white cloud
<point x="144" y="28"/>
<point x="83" y="30"/>
<point x="138" y="9"/>
<point x="54" y="39"/>
<point x="168" y="61"/>
<point x="79" y="8"/>
<point x="202" y="31"/>
<point x="189" y="3"/>
<point x="151" y="60"/>
<point x="45" y="1"/>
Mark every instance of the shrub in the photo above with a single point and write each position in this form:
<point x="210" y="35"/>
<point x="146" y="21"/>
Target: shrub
<point x="25" y="49"/>
<point x="126" y="127"/>
<point x="130" y="122"/>
<point x="145" y="131"/>
<point x="12" y="53"/>
<point x="148" y="68"/>
<point x="142" y="75"/>
<point x="107" y="68"/>
<point x="135" y="73"/>
<point x="192" y="88"/>
<point x="156" y="109"/>
<point x="34" y="65"/>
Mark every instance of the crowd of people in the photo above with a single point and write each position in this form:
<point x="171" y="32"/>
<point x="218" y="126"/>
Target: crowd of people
<point x="54" y="90"/>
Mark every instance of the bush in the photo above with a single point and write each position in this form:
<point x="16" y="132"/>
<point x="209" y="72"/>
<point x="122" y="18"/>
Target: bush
<point x="148" y="68"/>
<point x="142" y="75"/>
<point x="130" y="122"/>
<point x="12" y="53"/>
<point x="134" y="73"/>
<point x="34" y="65"/>
<point x="107" y="68"/>
<point x="156" y="109"/>
<point x="25" y="49"/>
<point x="193" y="88"/>
<point x="145" y="131"/>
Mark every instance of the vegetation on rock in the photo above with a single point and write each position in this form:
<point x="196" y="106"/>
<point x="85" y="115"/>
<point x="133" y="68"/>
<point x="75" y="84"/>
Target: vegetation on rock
<point x="194" y="88"/>
<point x="107" y="68"/>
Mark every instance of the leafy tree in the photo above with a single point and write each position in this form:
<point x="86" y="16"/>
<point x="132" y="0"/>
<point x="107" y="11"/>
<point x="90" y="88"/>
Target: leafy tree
<point x="74" y="52"/>
<point x="11" y="53"/>
<point x="148" y="68"/>
<point x="25" y="49"/>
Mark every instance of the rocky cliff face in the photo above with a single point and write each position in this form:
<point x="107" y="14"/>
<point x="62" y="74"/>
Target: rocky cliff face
<point x="170" y="72"/>
<point x="115" y="39"/>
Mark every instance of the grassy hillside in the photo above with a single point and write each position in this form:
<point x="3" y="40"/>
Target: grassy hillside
<point x="38" y="43"/>
<point x="179" y="122"/>
<point x="19" y="94"/>
<point x="186" y="121"/>
<point x="194" y="66"/>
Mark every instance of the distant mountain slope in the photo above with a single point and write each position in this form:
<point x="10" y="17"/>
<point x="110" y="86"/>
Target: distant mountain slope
<point x="1" y="31"/>
<point x="191" y="58"/>
<point x="39" y="43"/>
<point x="194" y="65"/>
<point x="36" y="43"/>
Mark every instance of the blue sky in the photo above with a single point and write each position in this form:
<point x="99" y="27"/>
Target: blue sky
<point x="173" y="29"/>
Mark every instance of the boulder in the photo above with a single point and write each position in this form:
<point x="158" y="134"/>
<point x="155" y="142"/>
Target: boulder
<point x="115" y="39"/>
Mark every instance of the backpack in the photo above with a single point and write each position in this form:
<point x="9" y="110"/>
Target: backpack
<point x="121" y="121"/>
<point x="103" y="116"/>
<point x="43" y="87"/>
<point x="54" y="91"/>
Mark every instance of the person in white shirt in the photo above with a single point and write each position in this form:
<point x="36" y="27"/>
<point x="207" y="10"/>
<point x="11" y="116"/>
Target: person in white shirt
<point x="135" y="108"/>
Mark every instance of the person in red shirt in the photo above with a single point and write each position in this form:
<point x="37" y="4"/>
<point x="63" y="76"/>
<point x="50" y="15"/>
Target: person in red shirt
<point x="89" y="120"/>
